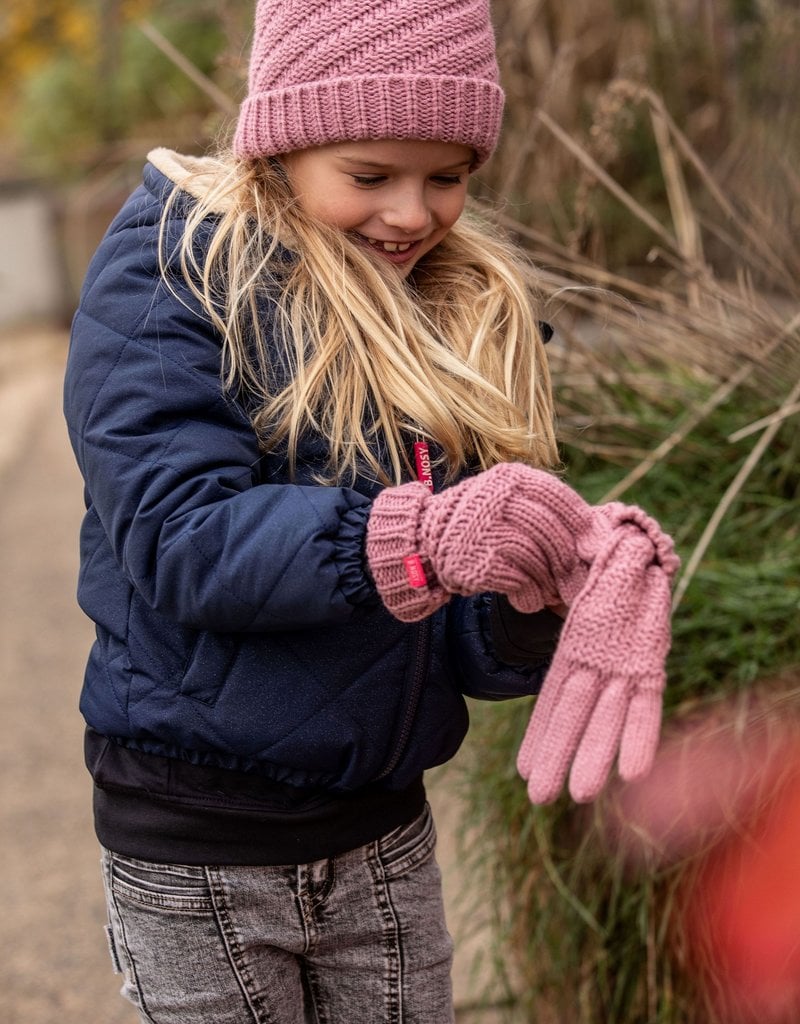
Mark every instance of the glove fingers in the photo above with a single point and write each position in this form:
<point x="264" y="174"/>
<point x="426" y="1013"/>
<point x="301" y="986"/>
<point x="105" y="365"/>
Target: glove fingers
<point x="599" y="744"/>
<point x="588" y="713"/>
<point x="536" y="732"/>
<point x="556" y="738"/>
<point x="537" y="726"/>
<point x="640" y="734"/>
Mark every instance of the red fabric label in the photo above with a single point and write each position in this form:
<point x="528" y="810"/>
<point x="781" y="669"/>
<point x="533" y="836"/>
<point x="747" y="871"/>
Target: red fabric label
<point x="415" y="572"/>
<point x="422" y="457"/>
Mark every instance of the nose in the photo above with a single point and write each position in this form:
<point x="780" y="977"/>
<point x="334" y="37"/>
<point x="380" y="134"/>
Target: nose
<point x="408" y="210"/>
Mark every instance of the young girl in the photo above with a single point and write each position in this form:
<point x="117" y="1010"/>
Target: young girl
<point x="311" y="406"/>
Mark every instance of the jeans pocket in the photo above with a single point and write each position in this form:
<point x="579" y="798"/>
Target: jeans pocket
<point x="407" y="846"/>
<point x="177" y="887"/>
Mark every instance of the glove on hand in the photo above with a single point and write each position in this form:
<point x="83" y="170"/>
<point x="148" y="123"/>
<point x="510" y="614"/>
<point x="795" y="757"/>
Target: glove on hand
<point x="511" y="529"/>
<point x="603" y="690"/>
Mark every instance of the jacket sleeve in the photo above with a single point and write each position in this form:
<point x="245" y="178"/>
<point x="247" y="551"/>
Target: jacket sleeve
<point x="500" y="652"/>
<point x="170" y="463"/>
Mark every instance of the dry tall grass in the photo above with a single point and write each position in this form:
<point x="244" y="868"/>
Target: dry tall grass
<point x="660" y="206"/>
<point x="714" y="285"/>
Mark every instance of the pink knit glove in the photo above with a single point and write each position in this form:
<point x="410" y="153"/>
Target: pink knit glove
<point x="511" y="530"/>
<point x="603" y="691"/>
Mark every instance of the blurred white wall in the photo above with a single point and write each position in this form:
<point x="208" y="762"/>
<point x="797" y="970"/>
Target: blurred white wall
<point x="31" y="275"/>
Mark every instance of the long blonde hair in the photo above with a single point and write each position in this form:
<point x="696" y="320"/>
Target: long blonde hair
<point x="326" y="339"/>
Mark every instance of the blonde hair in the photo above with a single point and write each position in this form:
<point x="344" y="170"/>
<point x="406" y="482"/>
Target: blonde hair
<point x="452" y="355"/>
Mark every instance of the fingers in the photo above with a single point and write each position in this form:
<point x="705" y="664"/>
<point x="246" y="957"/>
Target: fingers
<point x="599" y="744"/>
<point x="537" y="728"/>
<point x="602" y="696"/>
<point x="640" y="734"/>
<point x="585" y="723"/>
<point x="557" y="724"/>
<point x="528" y="598"/>
<point x="618" y="514"/>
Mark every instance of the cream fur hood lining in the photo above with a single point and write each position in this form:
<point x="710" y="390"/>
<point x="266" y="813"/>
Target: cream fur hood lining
<point x="197" y="175"/>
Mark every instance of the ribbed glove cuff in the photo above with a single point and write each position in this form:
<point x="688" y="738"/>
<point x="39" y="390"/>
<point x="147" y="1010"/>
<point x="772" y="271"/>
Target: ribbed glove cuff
<point x="402" y="572"/>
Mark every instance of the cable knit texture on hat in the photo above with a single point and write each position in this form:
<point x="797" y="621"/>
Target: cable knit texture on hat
<point x="325" y="71"/>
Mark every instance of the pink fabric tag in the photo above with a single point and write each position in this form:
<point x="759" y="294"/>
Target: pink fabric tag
<point x="422" y="457"/>
<point x="415" y="572"/>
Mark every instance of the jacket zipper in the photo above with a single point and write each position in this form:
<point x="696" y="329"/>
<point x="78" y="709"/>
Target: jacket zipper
<point x="421" y="655"/>
<point x="422" y="647"/>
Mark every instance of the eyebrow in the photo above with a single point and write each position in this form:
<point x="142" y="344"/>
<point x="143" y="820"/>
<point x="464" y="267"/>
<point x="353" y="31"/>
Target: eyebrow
<point x="375" y="165"/>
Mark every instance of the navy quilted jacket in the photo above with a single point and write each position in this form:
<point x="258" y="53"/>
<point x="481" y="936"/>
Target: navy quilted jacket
<point x="236" y="625"/>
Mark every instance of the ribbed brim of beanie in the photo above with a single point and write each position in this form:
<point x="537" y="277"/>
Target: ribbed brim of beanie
<point x="325" y="71"/>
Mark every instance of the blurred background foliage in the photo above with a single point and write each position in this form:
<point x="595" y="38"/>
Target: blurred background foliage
<point x="649" y="165"/>
<point x="80" y="77"/>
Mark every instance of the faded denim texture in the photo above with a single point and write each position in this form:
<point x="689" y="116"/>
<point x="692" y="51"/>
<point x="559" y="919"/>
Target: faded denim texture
<point x="356" y="939"/>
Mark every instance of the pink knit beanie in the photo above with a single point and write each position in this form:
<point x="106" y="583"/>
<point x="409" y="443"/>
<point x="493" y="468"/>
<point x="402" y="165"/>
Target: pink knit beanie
<point x="326" y="71"/>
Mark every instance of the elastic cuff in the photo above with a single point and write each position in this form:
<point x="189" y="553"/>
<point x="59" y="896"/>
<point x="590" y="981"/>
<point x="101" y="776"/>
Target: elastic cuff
<point x="355" y="579"/>
<point x="402" y="572"/>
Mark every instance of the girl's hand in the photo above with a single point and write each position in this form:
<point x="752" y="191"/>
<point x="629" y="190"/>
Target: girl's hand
<point x="510" y="530"/>
<point x="602" y="694"/>
<point x="523" y="533"/>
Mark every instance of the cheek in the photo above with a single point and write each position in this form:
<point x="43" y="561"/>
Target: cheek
<point x="328" y="209"/>
<point x="451" y="210"/>
<point x="326" y="203"/>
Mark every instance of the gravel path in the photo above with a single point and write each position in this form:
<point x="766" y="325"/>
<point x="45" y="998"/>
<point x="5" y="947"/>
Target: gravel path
<point x="54" y="966"/>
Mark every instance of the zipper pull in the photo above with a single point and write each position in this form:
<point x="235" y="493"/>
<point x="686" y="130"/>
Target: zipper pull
<point x="422" y="457"/>
<point x="415" y="571"/>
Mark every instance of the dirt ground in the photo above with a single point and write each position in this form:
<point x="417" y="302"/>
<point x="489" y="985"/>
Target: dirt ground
<point x="53" y="961"/>
<point x="54" y="965"/>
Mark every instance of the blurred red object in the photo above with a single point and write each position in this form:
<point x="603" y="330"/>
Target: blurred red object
<point x="743" y="918"/>
<point x="724" y="795"/>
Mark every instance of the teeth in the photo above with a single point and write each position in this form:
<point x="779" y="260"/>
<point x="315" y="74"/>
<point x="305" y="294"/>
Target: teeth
<point x="391" y="246"/>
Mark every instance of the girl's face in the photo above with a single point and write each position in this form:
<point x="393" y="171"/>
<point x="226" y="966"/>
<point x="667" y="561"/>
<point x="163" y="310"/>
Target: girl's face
<point x="398" y="197"/>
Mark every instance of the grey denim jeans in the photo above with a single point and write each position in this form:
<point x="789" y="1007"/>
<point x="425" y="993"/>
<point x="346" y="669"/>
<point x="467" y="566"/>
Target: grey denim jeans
<point x="356" y="939"/>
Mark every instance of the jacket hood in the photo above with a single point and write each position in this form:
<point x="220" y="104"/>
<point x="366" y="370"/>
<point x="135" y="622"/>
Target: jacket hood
<point x="195" y="175"/>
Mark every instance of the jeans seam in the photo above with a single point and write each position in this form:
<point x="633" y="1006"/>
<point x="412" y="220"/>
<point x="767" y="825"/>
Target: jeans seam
<point x="175" y="904"/>
<point x="393" y="949"/>
<point x="227" y="934"/>
<point x="315" y="993"/>
<point x="129" y="960"/>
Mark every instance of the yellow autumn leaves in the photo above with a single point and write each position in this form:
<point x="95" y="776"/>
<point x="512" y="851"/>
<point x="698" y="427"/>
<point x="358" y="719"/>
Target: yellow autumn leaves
<point x="31" y="34"/>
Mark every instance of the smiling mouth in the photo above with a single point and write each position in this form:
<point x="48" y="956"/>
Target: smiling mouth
<point x="391" y="246"/>
<point x="395" y="252"/>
